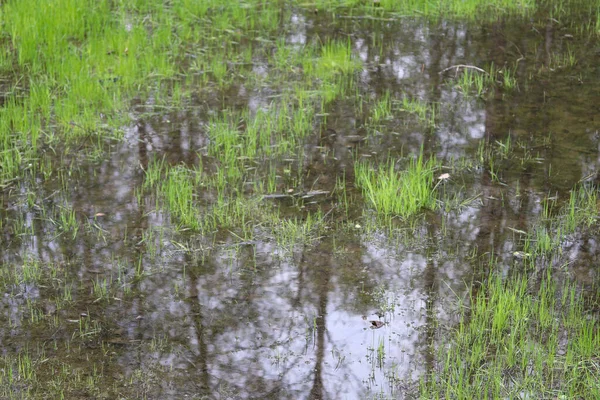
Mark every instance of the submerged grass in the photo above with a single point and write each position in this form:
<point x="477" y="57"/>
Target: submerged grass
<point x="575" y="216"/>
<point x="239" y="141"/>
<point x="528" y="335"/>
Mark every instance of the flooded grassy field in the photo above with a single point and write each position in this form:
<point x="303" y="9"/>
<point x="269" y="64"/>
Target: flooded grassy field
<point x="290" y="200"/>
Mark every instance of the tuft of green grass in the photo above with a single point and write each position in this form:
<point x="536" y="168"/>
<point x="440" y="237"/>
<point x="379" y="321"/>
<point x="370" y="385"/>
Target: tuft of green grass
<point x="336" y="58"/>
<point x="402" y="193"/>
<point x="382" y="109"/>
<point x="425" y="113"/>
<point x="581" y="211"/>
<point x="294" y="231"/>
<point x="179" y="193"/>
<point x="577" y="214"/>
<point x="473" y="82"/>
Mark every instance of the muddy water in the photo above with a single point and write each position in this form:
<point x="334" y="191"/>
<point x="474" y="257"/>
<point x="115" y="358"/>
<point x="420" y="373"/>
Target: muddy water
<point x="216" y="318"/>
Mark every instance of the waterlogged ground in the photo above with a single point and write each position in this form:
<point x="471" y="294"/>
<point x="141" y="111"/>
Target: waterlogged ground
<point x="214" y="235"/>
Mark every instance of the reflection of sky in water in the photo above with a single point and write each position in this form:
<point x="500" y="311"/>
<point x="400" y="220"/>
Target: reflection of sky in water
<point x="252" y="324"/>
<point x="276" y="334"/>
<point x="297" y="29"/>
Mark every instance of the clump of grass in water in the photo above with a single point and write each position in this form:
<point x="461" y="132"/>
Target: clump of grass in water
<point x="336" y="58"/>
<point x="178" y="190"/>
<point x="474" y="80"/>
<point x="470" y="81"/>
<point x="512" y="343"/>
<point x="404" y="193"/>
<point x="382" y="109"/>
<point x="291" y="232"/>
<point x="580" y="212"/>
<point x="424" y="112"/>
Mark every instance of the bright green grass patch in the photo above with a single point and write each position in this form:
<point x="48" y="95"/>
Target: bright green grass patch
<point x="455" y="8"/>
<point x="581" y="211"/>
<point x="518" y="342"/>
<point x="178" y="190"/>
<point x="76" y="64"/>
<point x="204" y="203"/>
<point x="336" y="58"/>
<point x="403" y="193"/>
<point x="382" y="110"/>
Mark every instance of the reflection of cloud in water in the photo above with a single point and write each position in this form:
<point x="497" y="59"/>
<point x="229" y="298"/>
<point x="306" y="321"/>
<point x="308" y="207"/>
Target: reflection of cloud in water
<point x="297" y="28"/>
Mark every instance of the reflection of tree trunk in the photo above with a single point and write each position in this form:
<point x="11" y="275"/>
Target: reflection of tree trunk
<point x="297" y="301"/>
<point x="140" y="225"/>
<point x="201" y="363"/>
<point x="488" y="230"/>
<point x="317" y="391"/>
<point x="434" y="65"/>
<point x="549" y="40"/>
<point x="495" y="130"/>
<point x="141" y="221"/>
<point x="429" y="277"/>
<point x="526" y="200"/>
<point x="431" y="289"/>
<point x="142" y="143"/>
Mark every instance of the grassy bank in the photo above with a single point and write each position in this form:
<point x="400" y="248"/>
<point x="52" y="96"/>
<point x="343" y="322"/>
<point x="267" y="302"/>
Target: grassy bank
<point x="520" y="338"/>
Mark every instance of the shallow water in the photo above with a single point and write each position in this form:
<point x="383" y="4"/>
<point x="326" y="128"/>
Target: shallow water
<point x="223" y="317"/>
